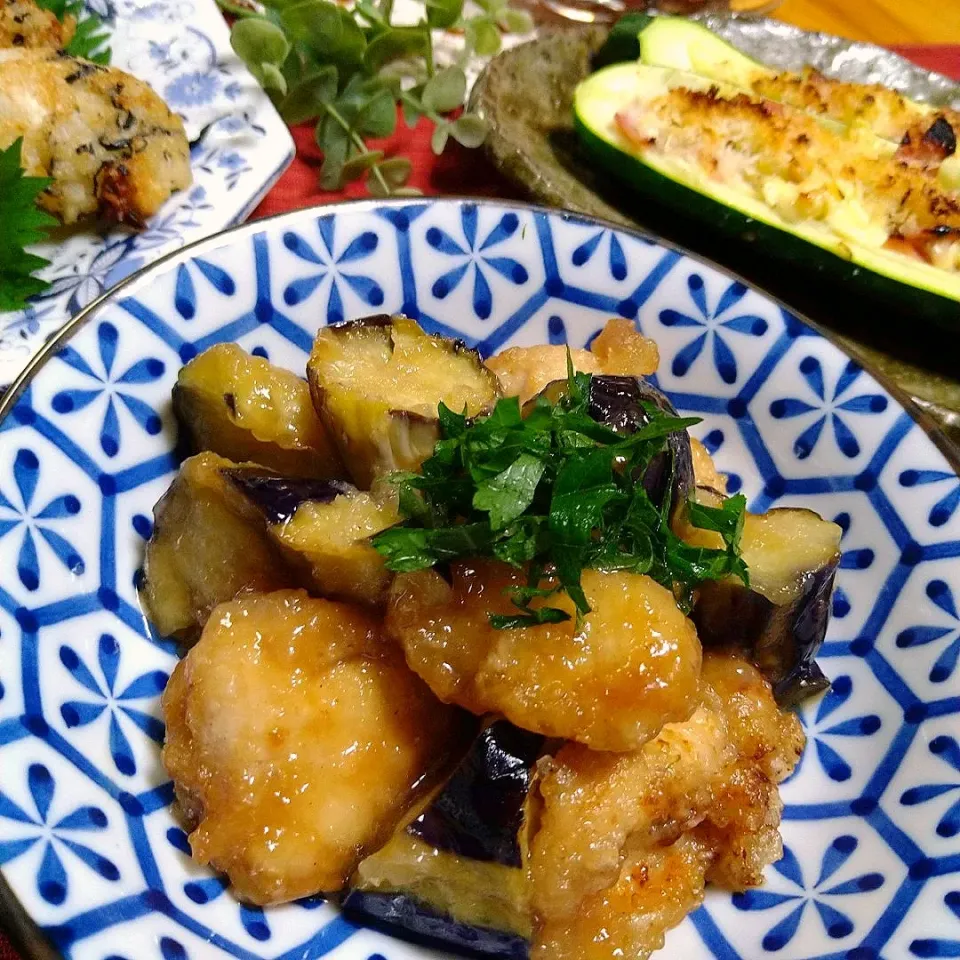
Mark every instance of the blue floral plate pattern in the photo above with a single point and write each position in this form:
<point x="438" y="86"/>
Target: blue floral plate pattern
<point x="240" y="148"/>
<point x="89" y="846"/>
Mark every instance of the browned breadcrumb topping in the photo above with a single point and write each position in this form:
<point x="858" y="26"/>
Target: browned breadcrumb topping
<point x="752" y="142"/>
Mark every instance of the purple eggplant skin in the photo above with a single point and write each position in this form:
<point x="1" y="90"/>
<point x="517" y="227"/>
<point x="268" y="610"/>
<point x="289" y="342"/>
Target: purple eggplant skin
<point x="479" y="812"/>
<point x="278" y="497"/>
<point x="618" y="403"/>
<point x="476" y="817"/>
<point x="782" y="641"/>
<point x="399" y="916"/>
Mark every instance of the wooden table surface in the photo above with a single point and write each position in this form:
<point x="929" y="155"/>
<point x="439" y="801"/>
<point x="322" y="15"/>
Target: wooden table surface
<point x="880" y="21"/>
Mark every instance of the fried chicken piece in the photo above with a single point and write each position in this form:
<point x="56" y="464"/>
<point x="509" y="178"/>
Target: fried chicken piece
<point x="764" y="735"/>
<point x="524" y="371"/>
<point x="631" y="666"/>
<point x="627" y="842"/>
<point x="619" y="350"/>
<point x="623" y="351"/>
<point x="112" y="147"/>
<point x="295" y="739"/>
<point x="24" y="24"/>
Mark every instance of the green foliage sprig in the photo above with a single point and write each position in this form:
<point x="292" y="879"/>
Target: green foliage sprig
<point x="22" y="223"/>
<point x="347" y="69"/>
<point x="90" y="39"/>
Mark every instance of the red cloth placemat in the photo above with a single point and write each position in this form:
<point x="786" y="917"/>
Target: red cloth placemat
<point x="456" y="171"/>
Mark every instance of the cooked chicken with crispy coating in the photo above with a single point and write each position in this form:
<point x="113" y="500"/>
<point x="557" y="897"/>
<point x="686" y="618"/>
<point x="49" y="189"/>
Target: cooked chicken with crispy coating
<point x="24" y="24"/>
<point x="524" y="371"/>
<point x="112" y="147"/>
<point x="627" y="842"/>
<point x="619" y="349"/>
<point x="631" y="666"/>
<point x="295" y="739"/>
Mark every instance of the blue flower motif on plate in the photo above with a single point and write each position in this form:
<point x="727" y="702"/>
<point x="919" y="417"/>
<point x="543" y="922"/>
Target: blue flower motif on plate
<point x="945" y="634"/>
<point x="192" y="89"/>
<point x="26" y="474"/>
<point x="833" y="405"/>
<point x="51" y="880"/>
<point x="853" y="558"/>
<point x="939" y="947"/>
<point x="829" y="738"/>
<point x="185" y="294"/>
<point x="715" y="323"/>
<point x="946" y="506"/>
<point x="480" y="254"/>
<point x="948" y="750"/>
<point x="616" y="258"/>
<point x="825" y="894"/>
<point x="329" y="263"/>
<point x="102" y="697"/>
<point x="144" y="370"/>
<point x="83" y="280"/>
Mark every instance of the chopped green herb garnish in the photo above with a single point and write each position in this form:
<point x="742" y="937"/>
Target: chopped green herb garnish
<point x="557" y="492"/>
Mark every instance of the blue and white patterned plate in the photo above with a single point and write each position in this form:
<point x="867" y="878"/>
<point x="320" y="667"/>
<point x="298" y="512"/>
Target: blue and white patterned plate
<point x="88" y="842"/>
<point x="241" y="146"/>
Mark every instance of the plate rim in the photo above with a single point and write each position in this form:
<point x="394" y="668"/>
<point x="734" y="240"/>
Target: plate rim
<point x="16" y="922"/>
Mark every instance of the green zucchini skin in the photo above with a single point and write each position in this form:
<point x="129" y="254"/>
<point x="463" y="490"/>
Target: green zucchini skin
<point x="720" y="226"/>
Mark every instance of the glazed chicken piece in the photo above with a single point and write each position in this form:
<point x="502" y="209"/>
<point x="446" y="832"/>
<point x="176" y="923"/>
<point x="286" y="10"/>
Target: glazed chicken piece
<point x="627" y="842"/>
<point x="618" y="350"/>
<point x="630" y="667"/>
<point x="112" y="147"/>
<point x="524" y="371"/>
<point x="296" y="739"/>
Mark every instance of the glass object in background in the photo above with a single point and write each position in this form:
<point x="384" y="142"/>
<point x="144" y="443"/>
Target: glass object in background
<point x="607" y="11"/>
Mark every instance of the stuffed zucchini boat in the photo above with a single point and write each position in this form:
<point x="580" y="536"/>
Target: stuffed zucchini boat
<point x="686" y="45"/>
<point x="831" y="202"/>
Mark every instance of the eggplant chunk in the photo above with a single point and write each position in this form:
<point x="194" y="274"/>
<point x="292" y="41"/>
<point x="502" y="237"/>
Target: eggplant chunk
<point x="618" y="403"/>
<point x="296" y="739"/>
<point x="245" y="408"/>
<point x="779" y="620"/>
<point x="377" y="384"/>
<point x="323" y="528"/>
<point x="208" y="545"/>
<point x="627" y="842"/>
<point x="455" y="874"/>
<point x="631" y="666"/>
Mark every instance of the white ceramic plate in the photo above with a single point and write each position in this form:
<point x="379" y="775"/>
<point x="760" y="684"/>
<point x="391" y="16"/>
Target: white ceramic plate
<point x="182" y="49"/>
<point x="89" y="845"/>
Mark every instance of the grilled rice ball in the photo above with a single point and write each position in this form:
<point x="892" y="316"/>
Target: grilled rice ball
<point x="112" y="147"/>
<point x="24" y="24"/>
